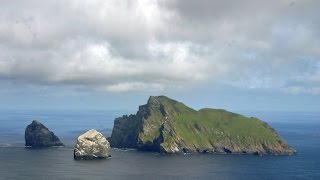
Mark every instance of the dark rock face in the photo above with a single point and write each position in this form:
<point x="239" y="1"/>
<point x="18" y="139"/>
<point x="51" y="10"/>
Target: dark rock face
<point x="39" y="136"/>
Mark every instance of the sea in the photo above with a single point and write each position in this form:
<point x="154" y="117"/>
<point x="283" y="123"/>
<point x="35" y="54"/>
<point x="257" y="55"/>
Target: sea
<point x="300" y="129"/>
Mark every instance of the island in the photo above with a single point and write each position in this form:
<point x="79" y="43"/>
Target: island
<point x="38" y="135"/>
<point x="167" y="126"/>
<point x="91" y="145"/>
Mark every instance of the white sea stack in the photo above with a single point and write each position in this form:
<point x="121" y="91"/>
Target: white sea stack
<point x="92" y="145"/>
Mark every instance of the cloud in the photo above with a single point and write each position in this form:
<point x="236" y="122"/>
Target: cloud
<point x="155" y="45"/>
<point x="93" y="65"/>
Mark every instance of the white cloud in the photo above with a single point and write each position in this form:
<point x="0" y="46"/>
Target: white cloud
<point x="93" y="65"/>
<point x="145" y="45"/>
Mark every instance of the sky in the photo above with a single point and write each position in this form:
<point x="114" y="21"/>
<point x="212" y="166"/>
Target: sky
<point x="111" y="54"/>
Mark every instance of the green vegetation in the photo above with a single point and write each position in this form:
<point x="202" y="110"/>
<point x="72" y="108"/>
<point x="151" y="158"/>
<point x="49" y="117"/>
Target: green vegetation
<point x="169" y="126"/>
<point x="161" y="109"/>
<point x="211" y="126"/>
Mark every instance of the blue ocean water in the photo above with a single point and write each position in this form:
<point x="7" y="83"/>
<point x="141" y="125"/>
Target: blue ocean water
<point x="300" y="129"/>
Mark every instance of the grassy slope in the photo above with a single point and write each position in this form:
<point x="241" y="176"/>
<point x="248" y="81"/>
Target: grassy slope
<point x="161" y="106"/>
<point x="211" y="126"/>
<point x="205" y="127"/>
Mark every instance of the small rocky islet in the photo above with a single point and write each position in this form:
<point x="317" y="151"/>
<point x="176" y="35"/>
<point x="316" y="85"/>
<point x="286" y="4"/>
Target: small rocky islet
<point x="167" y="126"/>
<point x="92" y="145"/>
<point x="39" y="136"/>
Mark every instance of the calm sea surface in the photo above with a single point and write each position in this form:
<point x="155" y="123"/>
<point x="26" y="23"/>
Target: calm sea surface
<point x="300" y="129"/>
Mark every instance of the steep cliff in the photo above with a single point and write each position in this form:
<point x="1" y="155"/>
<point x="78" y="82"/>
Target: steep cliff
<point x="168" y="126"/>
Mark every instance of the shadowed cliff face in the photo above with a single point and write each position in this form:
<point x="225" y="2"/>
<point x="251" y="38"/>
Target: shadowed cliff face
<point x="167" y="126"/>
<point x="38" y="136"/>
<point x="125" y="132"/>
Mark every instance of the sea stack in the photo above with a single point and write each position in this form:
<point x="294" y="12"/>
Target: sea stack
<point x="92" y="145"/>
<point x="39" y="136"/>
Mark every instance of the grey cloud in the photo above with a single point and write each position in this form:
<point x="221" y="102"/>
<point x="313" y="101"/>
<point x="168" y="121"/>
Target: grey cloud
<point x="158" y="44"/>
<point x="261" y="41"/>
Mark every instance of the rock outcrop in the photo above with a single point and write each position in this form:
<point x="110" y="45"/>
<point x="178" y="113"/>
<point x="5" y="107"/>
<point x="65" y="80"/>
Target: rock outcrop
<point x="39" y="136"/>
<point x="167" y="126"/>
<point x="92" y="145"/>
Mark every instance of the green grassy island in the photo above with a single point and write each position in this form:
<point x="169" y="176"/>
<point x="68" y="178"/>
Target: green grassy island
<point x="167" y="126"/>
